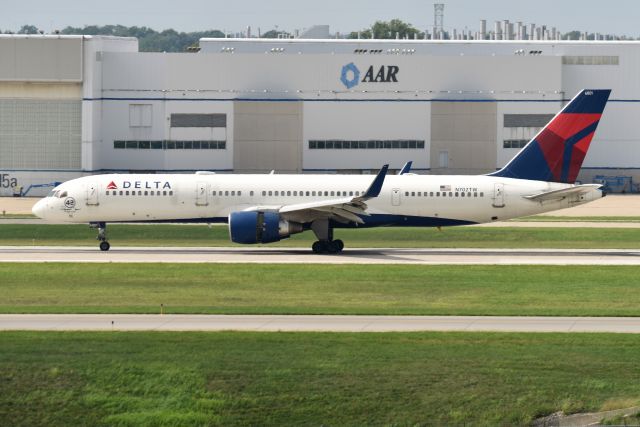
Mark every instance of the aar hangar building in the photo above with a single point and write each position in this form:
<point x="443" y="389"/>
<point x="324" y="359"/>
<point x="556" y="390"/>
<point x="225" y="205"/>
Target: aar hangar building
<point x="78" y="105"/>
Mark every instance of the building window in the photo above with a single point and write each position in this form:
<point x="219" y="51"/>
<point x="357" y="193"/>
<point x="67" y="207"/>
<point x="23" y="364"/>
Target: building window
<point x="170" y="145"/>
<point x="514" y="143"/>
<point x="396" y="144"/>
<point x="590" y="60"/>
<point x="198" y="120"/>
<point x="527" y="120"/>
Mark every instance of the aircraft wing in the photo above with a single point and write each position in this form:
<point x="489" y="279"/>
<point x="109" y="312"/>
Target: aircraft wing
<point x="562" y="193"/>
<point x="343" y="209"/>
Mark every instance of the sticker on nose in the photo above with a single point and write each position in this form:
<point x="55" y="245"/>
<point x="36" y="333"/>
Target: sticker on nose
<point x="69" y="203"/>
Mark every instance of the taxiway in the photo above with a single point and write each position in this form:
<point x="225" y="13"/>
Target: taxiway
<point x="297" y="323"/>
<point x="265" y="255"/>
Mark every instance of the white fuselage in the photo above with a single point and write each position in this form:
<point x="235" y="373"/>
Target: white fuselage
<point x="424" y="200"/>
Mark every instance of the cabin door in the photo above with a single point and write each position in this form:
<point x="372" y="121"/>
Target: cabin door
<point x="498" y="196"/>
<point x="92" y="194"/>
<point x="202" y="194"/>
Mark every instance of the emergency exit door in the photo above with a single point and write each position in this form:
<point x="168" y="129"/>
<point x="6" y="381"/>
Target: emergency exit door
<point x="395" y="197"/>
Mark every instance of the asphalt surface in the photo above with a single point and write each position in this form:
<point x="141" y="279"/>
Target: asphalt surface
<point x="264" y="255"/>
<point x="129" y="322"/>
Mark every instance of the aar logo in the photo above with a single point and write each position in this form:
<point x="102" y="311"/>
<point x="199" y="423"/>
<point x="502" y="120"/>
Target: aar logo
<point x="350" y="75"/>
<point x="112" y="186"/>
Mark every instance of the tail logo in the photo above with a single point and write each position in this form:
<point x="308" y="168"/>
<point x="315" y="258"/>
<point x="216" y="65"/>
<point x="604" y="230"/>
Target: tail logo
<point x="557" y="152"/>
<point x="565" y="141"/>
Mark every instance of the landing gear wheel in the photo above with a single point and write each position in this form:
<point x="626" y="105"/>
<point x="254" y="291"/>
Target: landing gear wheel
<point x="327" y="247"/>
<point x="104" y="246"/>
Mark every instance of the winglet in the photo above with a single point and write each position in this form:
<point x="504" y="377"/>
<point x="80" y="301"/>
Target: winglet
<point x="376" y="185"/>
<point x="406" y="168"/>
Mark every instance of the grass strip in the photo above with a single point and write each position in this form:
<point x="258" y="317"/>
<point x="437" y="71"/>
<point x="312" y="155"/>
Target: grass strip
<point x="395" y="237"/>
<point x="320" y="289"/>
<point x="234" y="378"/>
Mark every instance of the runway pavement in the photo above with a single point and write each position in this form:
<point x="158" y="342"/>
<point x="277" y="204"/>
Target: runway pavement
<point x="129" y="322"/>
<point x="262" y="255"/>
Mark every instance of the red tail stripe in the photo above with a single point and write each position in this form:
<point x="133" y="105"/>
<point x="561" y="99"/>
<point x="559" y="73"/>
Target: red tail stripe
<point x="568" y="124"/>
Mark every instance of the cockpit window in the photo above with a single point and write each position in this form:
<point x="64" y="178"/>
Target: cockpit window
<point x="62" y="194"/>
<point x="51" y="193"/>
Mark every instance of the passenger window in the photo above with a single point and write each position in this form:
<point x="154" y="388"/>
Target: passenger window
<point x="475" y="194"/>
<point x="127" y="193"/>
<point x="326" y="193"/>
<point x="239" y="193"/>
<point x="450" y="194"/>
<point x="351" y="193"/>
<point x="213" y="193"/>
<point x="107" y="192"/>
<point x="233" y="193"/>
<point x="468" y="194"/>
<point x="313" y="193"/>
<point x="456" y="194"/>
<point x="307" y="193"/>
<point x="171" y="193"/>
<point x="264" y="193"/>
<point x="413" y="194"/>
<point x="153" y="193"/>
<point x="164" y="193"/>
<point x="462" y="194"/>
<point x="139" y="192"/>
<point x="481" y="194"/>
<point x="430" y="194"/>
<point x="146" y="193"/>
<point x="121" y="192"/>
<point x="226" y="192"/>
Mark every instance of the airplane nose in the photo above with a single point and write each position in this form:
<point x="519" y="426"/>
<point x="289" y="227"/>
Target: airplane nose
<point x="39" y="208"/>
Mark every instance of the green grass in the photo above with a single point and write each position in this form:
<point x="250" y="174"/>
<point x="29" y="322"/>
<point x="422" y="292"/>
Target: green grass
<point x="320" y="289"/>
<point x="226" y="379"/>
<point x="194" y="235"/>
<point x="17" y="216"/>
<point x="549" y="218"/>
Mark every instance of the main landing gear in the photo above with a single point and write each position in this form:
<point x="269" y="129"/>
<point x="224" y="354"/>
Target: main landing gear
<point x="325" y="243"/>
<point x="102" y="234"/>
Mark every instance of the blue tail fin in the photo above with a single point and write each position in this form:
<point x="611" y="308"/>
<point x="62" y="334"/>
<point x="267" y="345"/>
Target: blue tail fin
<point x="556" y="153"/>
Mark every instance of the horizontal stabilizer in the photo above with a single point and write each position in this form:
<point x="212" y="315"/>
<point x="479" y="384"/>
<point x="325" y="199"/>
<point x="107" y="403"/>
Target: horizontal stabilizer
<point x="562" y="193"/>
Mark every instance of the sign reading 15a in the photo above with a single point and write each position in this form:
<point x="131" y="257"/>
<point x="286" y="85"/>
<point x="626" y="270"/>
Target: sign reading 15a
<point x="6" y="181"/>
<point x="350" y="75"/>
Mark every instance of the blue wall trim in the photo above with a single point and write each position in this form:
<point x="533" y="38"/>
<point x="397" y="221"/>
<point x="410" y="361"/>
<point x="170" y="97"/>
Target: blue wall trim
<point x="338" y="100"/>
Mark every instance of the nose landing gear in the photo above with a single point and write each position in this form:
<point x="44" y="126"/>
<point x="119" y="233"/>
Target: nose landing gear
<point x="102" y="234"/>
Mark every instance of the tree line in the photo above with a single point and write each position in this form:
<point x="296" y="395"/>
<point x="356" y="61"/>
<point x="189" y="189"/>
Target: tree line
<point x="171" y="40"/>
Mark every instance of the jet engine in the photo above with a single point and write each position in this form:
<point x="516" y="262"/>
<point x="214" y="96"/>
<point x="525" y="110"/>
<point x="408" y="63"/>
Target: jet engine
<point x="260" y="227"/>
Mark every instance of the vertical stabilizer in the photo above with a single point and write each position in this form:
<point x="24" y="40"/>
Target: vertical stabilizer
<point x="556" y="153"/>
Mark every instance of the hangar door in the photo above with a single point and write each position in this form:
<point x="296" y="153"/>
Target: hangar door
<point x="266" y="136"/>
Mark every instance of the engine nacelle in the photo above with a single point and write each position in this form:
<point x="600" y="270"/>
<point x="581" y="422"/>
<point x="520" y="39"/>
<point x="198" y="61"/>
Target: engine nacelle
<point x="260" y="227"/>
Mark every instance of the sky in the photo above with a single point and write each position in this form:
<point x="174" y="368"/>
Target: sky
<point x="618" y="17"/>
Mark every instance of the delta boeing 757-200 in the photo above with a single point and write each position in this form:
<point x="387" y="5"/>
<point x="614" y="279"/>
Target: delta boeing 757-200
<point x="268" y="208"/>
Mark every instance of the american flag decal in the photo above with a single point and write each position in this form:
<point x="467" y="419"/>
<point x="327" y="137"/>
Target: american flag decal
<point x="445" y="188"/>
